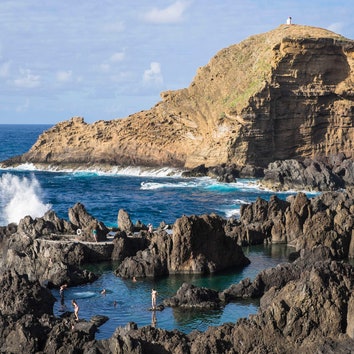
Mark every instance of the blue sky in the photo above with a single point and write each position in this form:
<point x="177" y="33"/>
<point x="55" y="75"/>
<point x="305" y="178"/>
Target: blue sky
<point x="106" y="59"/>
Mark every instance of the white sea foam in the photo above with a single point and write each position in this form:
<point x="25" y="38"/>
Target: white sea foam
<point x="135" y="171"/>
<point x="20" y="197"/>
<point x="241" y="201"/>
<point x="157" y="185"/>
<point x="232" y="213"/>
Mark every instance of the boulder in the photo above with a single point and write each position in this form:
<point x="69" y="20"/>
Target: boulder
<point x="90" y="228"/>
<point x="150" y="262"/>
<point x="198" y="244"/>
<point x="125" y="246"/>
<point x="124" y="222"/>
<point x="190" y="296"/>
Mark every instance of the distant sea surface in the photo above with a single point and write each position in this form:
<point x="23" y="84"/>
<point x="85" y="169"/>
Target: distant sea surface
<point x="151" y="196"/>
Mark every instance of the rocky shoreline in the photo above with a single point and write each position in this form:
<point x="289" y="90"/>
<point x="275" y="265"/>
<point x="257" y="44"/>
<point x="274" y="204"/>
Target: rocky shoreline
<point x="306" y="305"/>
<point x="287" y="121"/>
<point x="320" y="173"/>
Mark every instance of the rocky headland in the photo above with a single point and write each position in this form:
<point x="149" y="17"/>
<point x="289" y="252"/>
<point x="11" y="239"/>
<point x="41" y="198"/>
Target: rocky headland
<point x="284" y="94"/>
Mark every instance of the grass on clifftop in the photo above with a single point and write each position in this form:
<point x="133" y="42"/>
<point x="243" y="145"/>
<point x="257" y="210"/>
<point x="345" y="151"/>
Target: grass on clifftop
<point x="253" y="58"/>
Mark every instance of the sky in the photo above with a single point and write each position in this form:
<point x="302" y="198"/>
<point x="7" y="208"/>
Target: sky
<point x="106" y="59"/>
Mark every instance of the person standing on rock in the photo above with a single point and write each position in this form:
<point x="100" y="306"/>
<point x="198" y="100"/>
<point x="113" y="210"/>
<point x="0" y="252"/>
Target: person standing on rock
<point x="61" y="292"/>
<point x="150" y="229"/>
<point x="153" y="298"/>
<point x="76" y="309"/>
<point x="288" y="21"/>
<point x="94" y="233"/>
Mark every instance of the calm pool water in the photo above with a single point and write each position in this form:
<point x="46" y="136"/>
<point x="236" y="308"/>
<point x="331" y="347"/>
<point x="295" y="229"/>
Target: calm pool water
<point x="127" y="301"/>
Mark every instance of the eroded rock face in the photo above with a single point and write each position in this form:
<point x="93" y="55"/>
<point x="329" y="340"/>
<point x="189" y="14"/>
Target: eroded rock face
<point x="326" y="219"/>
<point x="294" y="99"/>
<point x="198" y="244"/>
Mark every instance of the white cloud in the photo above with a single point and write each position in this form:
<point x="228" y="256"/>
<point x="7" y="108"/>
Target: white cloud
<point x="27" y="79"/>
<point x="170" y="14"/>
<point x="153" y="76"/>
<point x="114" y="58"/>
<point x="64" y="76"/>
<point x="5" y="69"/>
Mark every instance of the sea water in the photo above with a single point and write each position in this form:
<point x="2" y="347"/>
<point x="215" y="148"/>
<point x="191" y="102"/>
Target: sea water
<point x="150" y="196"/>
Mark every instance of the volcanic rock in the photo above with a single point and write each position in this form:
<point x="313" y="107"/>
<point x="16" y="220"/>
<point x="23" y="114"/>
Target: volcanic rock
<point x="319" y="174"/>
<point x="190" y="296"/>
<point x="198" y="244"/>
<point x="124" y="222"/>
<point x="86" y="223"/>
<point x="284" y="94"/>
<point x="327" y="219"/>
<point x="125" y="246"/>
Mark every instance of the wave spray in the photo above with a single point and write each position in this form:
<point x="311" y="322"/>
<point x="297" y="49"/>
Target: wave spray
<point x="20" y="197"/>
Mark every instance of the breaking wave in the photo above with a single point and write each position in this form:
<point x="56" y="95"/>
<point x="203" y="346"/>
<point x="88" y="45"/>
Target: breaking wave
<point x="20" y="197"/>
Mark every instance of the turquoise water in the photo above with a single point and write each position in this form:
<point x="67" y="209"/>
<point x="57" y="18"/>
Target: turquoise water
<point x="150" y="196"/>
<point x="133" y="298"/>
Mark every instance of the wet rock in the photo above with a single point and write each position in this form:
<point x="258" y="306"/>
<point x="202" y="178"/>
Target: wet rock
<point x="190" y="296"/>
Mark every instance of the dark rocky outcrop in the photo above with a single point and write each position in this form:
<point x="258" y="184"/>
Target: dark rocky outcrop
<point x="190" y="296"/>
<point x="124" y="222"/>
<point x="225" y="173"/>
<point x="27" y="324"/>
<point x="86" y="223"/>
<point x="49" y="250"/>
<point x="125" y="246"/>
<point x="326" y="219"/>
<point x="276" y="278"/>
<point x="198" y="244"/>
<point x="319" y="174"/>
<point x="306" y="306"/>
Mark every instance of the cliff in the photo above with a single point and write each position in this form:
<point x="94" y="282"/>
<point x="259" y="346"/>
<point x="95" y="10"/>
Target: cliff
<point x="284" y="94"/>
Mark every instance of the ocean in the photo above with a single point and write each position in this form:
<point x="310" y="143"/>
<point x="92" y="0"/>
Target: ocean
<point x="150" y="196"/>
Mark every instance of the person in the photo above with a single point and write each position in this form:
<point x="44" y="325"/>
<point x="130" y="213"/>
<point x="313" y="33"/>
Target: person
<point x="134" y="280"/>
<point x="76" y="309"/>
<point x="288" y="21"/>
<point x="61" y="292"/>
<point x="94" y="233"/>
<point x="153" y="298"/>
<point x="103" y="292"/>
<point x="150" y="229"/>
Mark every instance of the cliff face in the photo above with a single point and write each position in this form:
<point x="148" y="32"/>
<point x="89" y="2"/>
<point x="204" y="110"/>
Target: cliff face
<point x="284" y="94"/>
